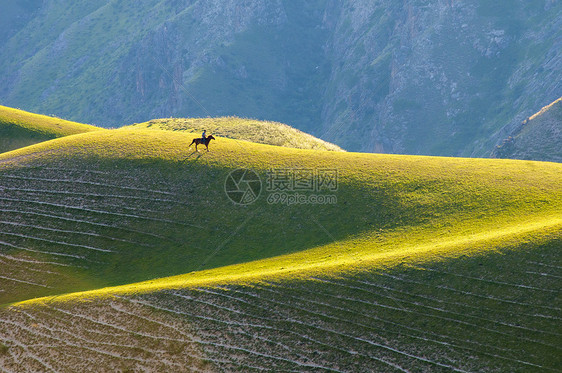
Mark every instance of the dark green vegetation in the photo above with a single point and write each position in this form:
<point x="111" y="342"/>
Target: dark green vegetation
<point x="409" y="76"/>
<point x="539" y="137"/>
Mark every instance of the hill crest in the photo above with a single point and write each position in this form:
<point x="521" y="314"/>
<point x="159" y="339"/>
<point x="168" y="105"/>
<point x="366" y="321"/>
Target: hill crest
<point x="20" y="128"/>
<point x="261" y="132"/>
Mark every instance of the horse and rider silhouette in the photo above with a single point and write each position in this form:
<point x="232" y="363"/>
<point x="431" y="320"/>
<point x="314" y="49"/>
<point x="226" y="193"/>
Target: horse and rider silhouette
<point x="203" y="140"/>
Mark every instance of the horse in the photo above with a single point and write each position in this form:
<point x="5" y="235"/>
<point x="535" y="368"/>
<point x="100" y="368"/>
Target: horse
<point x="200" y="141"/>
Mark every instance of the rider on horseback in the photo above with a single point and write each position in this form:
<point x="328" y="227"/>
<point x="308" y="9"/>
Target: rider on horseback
<point x="203" y="140"/>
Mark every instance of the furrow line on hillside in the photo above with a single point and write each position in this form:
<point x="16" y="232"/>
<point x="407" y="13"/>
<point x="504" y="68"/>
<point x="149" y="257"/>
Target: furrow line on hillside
<point x="87" y="206"/>
<point x="370" y="316"/>
<point x="268" y="319"/>
<point x="73" y="232"/>
<point x="174" y="328"/>
<point x="56" y="242"/>
<point x="546" y="265"/>
<point x="96" y="195"/>
<point x="363" y="327"/>
<point x="373" y="316"/>
<point x="9" y="257"/>
<point x="78" y="171"/>
<point x="479" y="308"/>
<point x="109" y="325"/>
<point x="415" y="304"/>
<point x="85" y="182"/>
<point x="32" y="269"/>
<point x="204" y="318"/>
<point x="280" y="331"/>
<point x="102" y="212"/>
<point x="34" y="357"/>
<point x="72" y="334"/>
<point x="484" y="280"/>
<point x="344" y="335"/>
<point x="504" y="358"/>
<point x="443" y="287"/>
<point x="97" y="224"/>
<point x="78" y="328"/>
<point x="472" y="325"/>
<point x="242" y="325"/>
<point x="25" y="282"/>
<point x="543" y="274"/>
<point x="43" y="252"/>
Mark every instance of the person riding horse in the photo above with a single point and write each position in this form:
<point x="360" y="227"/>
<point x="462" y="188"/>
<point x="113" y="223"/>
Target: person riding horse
<point x="203" y="140"/>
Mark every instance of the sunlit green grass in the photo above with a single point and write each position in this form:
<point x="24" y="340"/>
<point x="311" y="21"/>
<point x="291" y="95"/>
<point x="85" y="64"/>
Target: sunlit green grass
<point x="19" y="128"/>
<point x="390" y="209"/>
<point x="262" y="132"/>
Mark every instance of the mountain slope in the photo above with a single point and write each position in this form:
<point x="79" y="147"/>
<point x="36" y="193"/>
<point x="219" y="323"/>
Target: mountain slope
<point x="120" y="206"/>
<point x="415" y="77"/>
<point x="19" y="128"/>
<point x="419" y="263"/>
<point x="539" y="137"/>
<point x="468" y="314"/>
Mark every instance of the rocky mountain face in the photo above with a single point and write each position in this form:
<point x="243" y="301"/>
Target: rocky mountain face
<point x="439" y="77"/>
<point x="539" y="137"/>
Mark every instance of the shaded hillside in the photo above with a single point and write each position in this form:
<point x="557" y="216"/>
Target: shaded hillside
<point x="119" y="206"/>
<point x="270" y="133"/>
<point x="538" y="138"/>
<point x="408" y="76"/>
<point x="418" y="264"/>
<point x="497" y="312"/>
<point x="19" y="128"/>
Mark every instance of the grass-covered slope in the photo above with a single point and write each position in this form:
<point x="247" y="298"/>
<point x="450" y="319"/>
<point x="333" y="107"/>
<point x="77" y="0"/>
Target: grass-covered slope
<point x="19" y="128"/>
<point x="116" y="207"/>
<point x="419" y="264"/>
<point x="498" y="312"/>
<point x="539" y="137"/>
<point x="262" y="132"/>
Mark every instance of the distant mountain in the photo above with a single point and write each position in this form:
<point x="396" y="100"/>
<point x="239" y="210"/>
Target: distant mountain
<point x="408" y="76"/>
<point x="538" y="138"/>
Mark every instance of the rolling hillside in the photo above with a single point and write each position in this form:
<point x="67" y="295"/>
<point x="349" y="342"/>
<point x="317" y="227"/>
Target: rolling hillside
<point x="261" y="132"/>
<point x="19" y="128"/>
<point x="412" y="263"/>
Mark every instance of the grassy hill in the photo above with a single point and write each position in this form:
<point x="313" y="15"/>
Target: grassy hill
<point x="419" y="263"/>
<point x="538" y="138"/>
<point x="262" y="132"/>
<point x="19" y="128"/>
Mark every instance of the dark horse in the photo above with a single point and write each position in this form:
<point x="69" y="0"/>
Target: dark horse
<point x="200" y="141"/>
